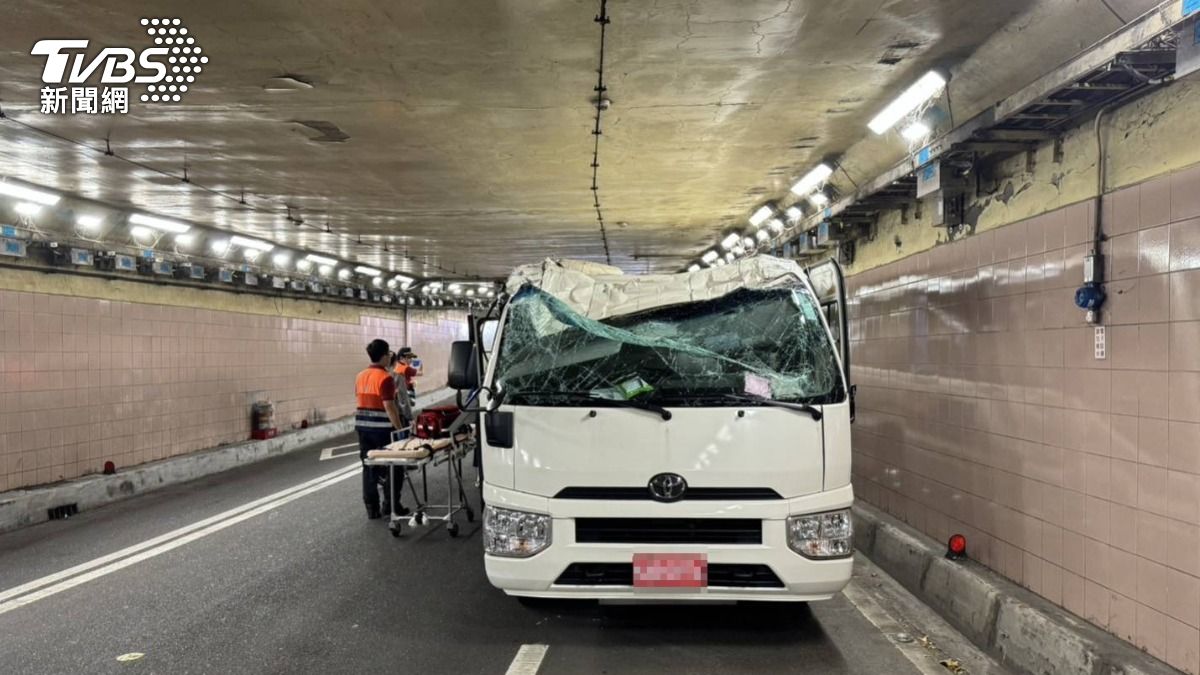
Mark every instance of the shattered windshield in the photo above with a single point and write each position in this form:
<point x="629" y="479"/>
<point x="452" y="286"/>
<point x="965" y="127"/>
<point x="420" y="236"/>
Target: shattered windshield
<point x="767" y="343"/>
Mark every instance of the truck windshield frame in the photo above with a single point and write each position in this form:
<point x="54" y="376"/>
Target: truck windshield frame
<point x="769" y="343"/>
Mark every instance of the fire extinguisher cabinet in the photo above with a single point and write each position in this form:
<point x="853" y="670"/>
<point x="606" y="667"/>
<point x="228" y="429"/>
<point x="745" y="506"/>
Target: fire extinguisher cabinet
<point x="262" y="421"/>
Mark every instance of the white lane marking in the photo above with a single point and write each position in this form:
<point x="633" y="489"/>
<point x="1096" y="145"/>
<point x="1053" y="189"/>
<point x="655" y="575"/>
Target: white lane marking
<point x="528" y="660"/>
<point x="888" y="625"/>
<point x="170" y="545"/>
<point x="116" y="555"/>
<point x="327" y="453"/>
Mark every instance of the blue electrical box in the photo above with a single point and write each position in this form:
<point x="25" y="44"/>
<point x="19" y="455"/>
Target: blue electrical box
<point x="124" y="263"/>
<point x="251" y="279"/>
<point x="197" y="273"/>
<point x="82" y="257"/>
<point x="14" y="248"/>
<point x="225" y="275"/>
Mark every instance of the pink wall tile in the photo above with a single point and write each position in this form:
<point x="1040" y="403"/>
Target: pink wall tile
<point x="116" y="374"/>
<point x="1083" y="476"/>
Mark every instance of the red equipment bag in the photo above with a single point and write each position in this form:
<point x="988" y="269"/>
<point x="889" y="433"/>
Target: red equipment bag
<point x="435" y="422"/>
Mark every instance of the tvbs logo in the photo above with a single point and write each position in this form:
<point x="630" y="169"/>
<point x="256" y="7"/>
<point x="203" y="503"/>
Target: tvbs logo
<point x="168" y="70"/>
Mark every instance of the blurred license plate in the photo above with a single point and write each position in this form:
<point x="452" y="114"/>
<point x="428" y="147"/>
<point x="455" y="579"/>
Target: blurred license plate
<point x="670" y="570"/>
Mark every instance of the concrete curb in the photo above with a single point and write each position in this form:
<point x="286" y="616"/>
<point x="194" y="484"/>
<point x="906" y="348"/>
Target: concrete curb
<point x="21" y="508"/>
<point x="1024" y="631"/>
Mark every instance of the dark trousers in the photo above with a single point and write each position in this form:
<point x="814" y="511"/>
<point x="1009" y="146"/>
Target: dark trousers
<point x="373" y="476"/>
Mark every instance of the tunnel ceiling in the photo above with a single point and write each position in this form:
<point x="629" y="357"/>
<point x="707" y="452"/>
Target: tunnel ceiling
<point x="460" y="132"/>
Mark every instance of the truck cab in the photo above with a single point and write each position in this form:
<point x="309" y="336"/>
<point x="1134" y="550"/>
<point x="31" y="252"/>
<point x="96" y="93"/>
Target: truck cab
<point x="679" y="437"/>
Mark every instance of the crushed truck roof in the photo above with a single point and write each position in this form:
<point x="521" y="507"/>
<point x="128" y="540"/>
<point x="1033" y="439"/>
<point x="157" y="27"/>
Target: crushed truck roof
<point x="600" y="291"/>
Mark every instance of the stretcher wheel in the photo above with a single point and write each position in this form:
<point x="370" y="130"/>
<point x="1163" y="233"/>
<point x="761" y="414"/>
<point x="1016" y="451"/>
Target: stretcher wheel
<point x="452" y="529"/>
<point x="470" y="515"/>
<point x="395" y="528"/>
<point x="421" y="520"/>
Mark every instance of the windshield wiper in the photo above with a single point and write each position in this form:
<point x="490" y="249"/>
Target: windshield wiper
<point x="589" y="396"/>
<point x="815" y="413"/>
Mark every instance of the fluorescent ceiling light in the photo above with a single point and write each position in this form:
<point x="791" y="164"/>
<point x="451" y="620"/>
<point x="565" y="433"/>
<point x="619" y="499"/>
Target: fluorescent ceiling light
<point x="491" y="294"/>
<point x="251" y="254"/>
<point x="730" y="241"/>
<point x="343" y="273"/>
<point x="818" y="199"/>
<point x="775" y="224"/>
<point x="325" y="270"/>
<point x="281" y="259"/>
<point x="313" y="257"/>
<point x="761" y="215"/>
<point x="255" y="244"/>
<point x="812" y="179"/>
<point x="470" y="291"/>
<point x="762" y="235"/>
<point x="738" y="250"/>
<point x="89" y="223"/>
<point x="693" y="268"/>
<point x="377" y="282"/>
<point x="28" y="208"/>
<point x="185" y="240"/>
<point x="794" y="213"/>
<point x="915" y="131"/>
<point x="729" y="257"/>
<point x="710" y="256"/>
<point x="28" y="194"/>
<point x="404" y="281"/>
<point x="220" y="247"/>
<point x="159" y="223"/>
<point x="368" y="271"/>
<point x="721" y="262"/>
<point x="927" y="87"/>
<point x="140" y="232"/>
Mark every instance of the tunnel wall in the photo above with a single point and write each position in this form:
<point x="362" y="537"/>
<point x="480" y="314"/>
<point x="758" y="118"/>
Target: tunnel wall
<point x="983" y="410"/>
<point x="98" y="370"/>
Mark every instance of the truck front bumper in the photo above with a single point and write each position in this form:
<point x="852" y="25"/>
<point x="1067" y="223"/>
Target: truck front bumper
<point x="788" y="575"/>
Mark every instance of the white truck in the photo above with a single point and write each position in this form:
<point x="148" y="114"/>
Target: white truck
<point x="674" y="437"/>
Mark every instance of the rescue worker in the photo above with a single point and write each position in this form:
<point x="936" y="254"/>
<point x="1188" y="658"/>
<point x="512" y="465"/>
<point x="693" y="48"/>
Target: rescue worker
<point x="374" y="420"/>
<point x="405" y="367"/>
<point x="403" y="402"/>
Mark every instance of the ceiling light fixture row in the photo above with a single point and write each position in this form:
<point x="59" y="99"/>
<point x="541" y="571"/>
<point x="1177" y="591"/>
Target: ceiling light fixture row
<point x="238" y="198"/>
<point x="810" y="187"/>
<point x="146" y="231"/>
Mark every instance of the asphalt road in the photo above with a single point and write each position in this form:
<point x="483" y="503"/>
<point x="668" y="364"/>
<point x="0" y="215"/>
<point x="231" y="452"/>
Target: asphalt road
<point x="305" y="584"/>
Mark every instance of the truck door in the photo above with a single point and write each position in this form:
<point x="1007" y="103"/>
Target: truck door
<point x="829" y="284"/>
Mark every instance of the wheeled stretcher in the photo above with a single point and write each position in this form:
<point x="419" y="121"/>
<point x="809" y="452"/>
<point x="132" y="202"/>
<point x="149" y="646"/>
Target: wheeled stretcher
<point x="410" y="456"/>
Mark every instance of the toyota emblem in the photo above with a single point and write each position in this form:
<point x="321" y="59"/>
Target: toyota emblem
<point x="667" y="487"/>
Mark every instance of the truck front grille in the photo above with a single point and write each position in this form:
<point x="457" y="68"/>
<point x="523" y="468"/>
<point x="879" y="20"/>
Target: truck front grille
<point x="668" y="531"/>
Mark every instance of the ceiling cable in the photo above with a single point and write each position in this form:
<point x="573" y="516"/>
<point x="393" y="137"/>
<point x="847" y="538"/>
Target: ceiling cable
<point x="601" y="100"/>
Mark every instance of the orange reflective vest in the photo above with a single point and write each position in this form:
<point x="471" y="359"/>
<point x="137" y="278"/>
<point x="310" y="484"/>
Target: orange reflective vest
<point x="372" y="387"/>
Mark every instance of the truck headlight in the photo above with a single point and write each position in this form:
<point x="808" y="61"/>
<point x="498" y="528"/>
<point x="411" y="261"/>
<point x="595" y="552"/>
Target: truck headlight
<point x="514" y="534"/>
<point x="822" y="535"/>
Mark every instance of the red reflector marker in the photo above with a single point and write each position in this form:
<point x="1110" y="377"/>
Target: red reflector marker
<point x="956" y="547"/>
<point x="109" y="468"/>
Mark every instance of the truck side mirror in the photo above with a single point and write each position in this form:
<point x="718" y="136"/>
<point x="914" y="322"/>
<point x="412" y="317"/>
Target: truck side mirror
<point x="463" y="372"/>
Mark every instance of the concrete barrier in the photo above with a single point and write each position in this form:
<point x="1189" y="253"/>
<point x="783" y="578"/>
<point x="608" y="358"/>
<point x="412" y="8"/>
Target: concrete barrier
<point x="1024" y="631"/>
<point x="20" y="508"/>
